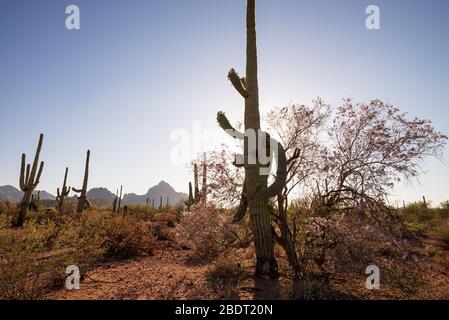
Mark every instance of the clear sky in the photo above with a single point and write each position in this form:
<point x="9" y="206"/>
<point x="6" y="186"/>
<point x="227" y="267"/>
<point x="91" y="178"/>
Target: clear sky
<point x="138" y="70"/>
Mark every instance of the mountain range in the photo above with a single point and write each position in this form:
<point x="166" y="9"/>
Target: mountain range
<point x="102" y="196"/>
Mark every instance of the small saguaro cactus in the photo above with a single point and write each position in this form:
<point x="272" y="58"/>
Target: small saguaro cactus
<point x="83" y="202"/>
<point x="62" y="193"/>
<point x="115" y="202"/>
<point x="160" y="205"/>
<point x="147" y="201"/>
<point x="28" y="181"/>
<point x="190" y="200"/>
<point x="152" y="202"/>
<point x="256" y="193"/>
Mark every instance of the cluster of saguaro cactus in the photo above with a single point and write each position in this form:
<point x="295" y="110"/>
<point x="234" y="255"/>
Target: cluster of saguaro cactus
<point x="256" y="192"/>
<point x="83" y="202"/>
<point x="197" y="197"/>
<point x="117" y="203"/>
<point x="28" y="181"/>
<point x="62" y="193"/>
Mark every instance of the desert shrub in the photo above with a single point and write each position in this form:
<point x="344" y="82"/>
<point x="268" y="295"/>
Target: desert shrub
<point x="204" y="229"/>
<point x="347" y="242"/>
<point x="442" y="231"/>
<point x="225" y="274"/>
<point x="160" y="231"/>
<point x="4" y="207"/>
<point x="5" y="221"/>
<point x="126" y="237"/>
<point x="25" y="265"/>
<point x="168" y="218"/>
<point x="418" y="212"/>
<point x="143" y="212"/>
<point x="445" y="205"/>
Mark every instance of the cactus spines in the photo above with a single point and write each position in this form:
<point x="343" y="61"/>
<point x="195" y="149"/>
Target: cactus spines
<point x="256" y="193"/>
<point x="28" y="181"/>
<point x="62" y="193"/>
<point x="204" y="178"/>
<point x="83" y="202"/>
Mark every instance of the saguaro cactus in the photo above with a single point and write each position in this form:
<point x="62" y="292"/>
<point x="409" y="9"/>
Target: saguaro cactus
<point x="195" y="177"/>
<point x="190" y="200"/>
<point x="120" y="199"/>
<point x="83" y="202"/>
<point x="28" y="181"/>
<point x="35" y="201"/>
<point x="257" y="192"/>
<point x="62" y="193"/>
<point x="160" y="205"/>
<point x="115" y="202"/>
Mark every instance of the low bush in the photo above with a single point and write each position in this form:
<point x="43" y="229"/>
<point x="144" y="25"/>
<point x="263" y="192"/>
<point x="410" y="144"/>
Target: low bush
<point x="205" y="230"/>
<point x="168" y="218"/>
<point x="126" y="237"/>
<point x="35" y="257"/>
<point x="226" y="274"/>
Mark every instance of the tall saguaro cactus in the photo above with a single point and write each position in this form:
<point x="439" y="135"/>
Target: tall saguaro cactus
<point x="190" y="199"/>
<point x="196" y="183"/>
<point x="62" y="193"/>
<point x="28" y="181"/>
<point x="83" y="202"/>
<point x="256" y="192"/>
<point x="120" y="199"/>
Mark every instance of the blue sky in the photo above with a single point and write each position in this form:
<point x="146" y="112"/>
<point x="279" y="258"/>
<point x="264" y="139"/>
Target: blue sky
<point x="138" y="70"/>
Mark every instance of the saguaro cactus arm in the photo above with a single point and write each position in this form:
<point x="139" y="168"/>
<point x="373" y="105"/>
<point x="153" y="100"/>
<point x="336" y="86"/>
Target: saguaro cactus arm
<point x="224" y="123"/>
<point x="281" y="175"/>
<point x="238" y="83"/>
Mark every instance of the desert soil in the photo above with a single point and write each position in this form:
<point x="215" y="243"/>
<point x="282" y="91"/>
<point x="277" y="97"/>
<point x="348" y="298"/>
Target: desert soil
<point x="171" y="274"/>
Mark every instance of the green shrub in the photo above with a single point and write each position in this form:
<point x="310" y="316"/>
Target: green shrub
<point x="143" y="212"/>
